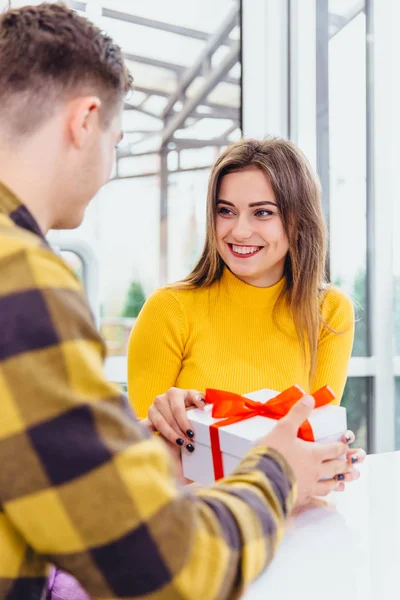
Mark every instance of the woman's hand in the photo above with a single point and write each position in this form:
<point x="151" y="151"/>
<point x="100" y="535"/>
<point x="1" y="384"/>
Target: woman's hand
<point x="354" y="456"/>
<point x="168" y="416"/>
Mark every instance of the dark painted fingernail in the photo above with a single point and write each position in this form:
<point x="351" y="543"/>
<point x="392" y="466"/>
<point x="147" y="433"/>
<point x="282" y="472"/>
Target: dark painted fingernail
<point x="190" y="433"/>
<point x="180" y="441"/>
<point x="190" y="447"/>
<point x="201" y="398"/>
<point x="348" y="438"/>
<point x="354" y="459"/>
<point x="340" y="477"/>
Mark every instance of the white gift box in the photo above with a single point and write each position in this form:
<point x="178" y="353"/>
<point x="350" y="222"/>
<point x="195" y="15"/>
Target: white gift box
<point x="328" y="424"/>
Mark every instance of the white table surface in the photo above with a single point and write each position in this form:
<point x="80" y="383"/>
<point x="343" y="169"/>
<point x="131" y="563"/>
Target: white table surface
<point x="350" y="550"/>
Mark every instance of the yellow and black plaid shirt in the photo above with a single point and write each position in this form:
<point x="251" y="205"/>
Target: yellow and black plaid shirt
<point x="82" y="486"/>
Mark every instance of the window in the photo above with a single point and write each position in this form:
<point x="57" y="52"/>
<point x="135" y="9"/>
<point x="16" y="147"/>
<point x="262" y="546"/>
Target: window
<point x="342" y="152"/>
<point x="146" y="227"/>
<point x="347" y="161"/>
<point x="337" y="89"/>
<point x="356" y="399"/>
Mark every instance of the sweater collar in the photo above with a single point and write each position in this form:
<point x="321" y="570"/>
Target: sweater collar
<point x="249" y="295"/>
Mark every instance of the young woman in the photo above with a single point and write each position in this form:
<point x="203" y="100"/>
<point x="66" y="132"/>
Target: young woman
<point x="256" y="311"/>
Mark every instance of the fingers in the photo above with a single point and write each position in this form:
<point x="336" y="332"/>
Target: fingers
<point x="348" y="437"/>
<point x="161" y="424"/>
<point x="339" y="488"/>
<point x="298" y="414"/>
<point x="195" y="398"/>
<point x="330" y="451"/>
<point x="173" y="407"/>
<point x="177" y="407"/>
<point x="168" y="416"/>
<point x="332" y="468"/>
<point x="323" y="488"/>
<point x="356" y="456"/>
<point x="351" y="475"/>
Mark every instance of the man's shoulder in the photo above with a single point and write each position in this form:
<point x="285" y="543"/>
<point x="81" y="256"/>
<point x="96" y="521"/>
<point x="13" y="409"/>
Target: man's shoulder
<point x="27" y="261"/>
<point x="14" y="238"/>
<point x="42" y="304"/>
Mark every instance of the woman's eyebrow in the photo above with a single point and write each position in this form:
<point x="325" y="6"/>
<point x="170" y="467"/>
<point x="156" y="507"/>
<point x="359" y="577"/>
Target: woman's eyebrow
<point x="251" y="205"/>
<point x="262" y="203"/>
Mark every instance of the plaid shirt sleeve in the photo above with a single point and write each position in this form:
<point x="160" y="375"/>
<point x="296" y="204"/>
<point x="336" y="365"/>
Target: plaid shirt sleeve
<point x="82" y="486"/>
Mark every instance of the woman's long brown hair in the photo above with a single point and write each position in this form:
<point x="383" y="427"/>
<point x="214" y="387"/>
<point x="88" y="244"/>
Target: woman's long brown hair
<point x="298" y="197"/>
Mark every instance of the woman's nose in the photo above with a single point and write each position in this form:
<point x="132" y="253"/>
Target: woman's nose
<point x="242" y="230"/>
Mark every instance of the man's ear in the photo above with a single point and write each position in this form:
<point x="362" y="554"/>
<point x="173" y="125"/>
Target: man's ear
<point x="83" y="119"/>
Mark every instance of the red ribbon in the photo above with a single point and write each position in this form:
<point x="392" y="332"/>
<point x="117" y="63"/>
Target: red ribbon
<point x="237" y="408"/>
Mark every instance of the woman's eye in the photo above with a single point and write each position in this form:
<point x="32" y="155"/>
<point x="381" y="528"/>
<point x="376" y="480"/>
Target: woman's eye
<point x="224" y="211"/>
<point x="264" y="213"/>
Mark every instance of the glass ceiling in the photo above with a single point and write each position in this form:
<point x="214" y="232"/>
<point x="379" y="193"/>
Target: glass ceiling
<point x="163" y="41"/>
<point x="185" y="66"/>
<point x="185" y="60"/>
<point x="165" y="44"/>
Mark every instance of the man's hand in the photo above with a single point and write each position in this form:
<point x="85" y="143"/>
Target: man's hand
<point x="315" y="466"/>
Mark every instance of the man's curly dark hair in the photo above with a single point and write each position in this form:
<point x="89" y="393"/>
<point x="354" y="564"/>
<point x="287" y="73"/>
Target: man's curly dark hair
<point x="49" y="53"/>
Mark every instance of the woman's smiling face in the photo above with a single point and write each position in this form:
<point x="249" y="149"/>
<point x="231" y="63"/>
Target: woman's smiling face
<point x="251" y="239"/>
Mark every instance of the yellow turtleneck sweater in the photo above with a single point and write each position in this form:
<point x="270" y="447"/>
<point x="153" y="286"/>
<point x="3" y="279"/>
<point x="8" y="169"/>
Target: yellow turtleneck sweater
<point x="225" y="337"/>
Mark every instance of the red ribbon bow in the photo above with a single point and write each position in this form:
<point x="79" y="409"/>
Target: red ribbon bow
<point x="236" y="408"/>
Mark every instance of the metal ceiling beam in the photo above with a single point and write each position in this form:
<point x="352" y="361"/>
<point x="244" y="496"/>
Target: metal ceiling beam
<point x="142" y="102"/>
<point x="180" y="144"/>
<point x="124" y="154"/>
<point x="222" y="112"/>
<point x="209" y="84"/>
<point x="188" y="144"/>
<point x="145" y="138"/>
<point x="177" y="69"/>
<point x="196" y="69"/>
<point x="146" y="60"/>
<point x="336" y="20"/>
<point x="339" y="21"/>
<point x="231" y="80"/>
<point x="157" y="173"/>
<point x="120" y="16"/>
<point x="218" y="111"/>
<point x="77" y="5"/>
<point x="141" y="131"/>
<point x="150" y="91"/>
<point x="148" y="113"/>
<point x="231" y="129"/>
<point x="177" y="29"/>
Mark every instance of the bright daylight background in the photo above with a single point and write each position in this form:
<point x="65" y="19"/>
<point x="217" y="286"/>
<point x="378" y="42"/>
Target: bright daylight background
<point x="320" y="72"/>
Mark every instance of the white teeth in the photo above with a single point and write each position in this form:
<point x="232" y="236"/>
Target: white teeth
<point x="245" y="249"/>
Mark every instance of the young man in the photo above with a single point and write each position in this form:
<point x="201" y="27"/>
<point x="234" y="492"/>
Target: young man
<point x="82" y="485"/>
